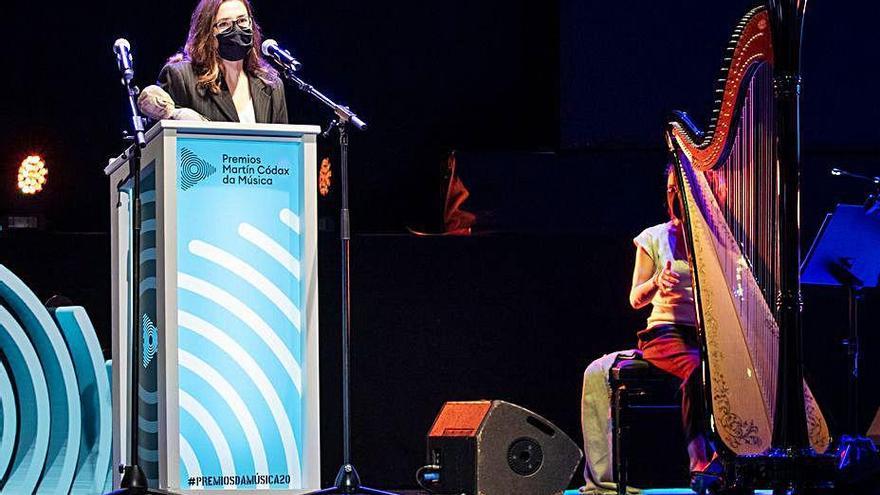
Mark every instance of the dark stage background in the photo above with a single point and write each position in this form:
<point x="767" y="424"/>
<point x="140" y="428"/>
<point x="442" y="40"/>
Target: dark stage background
<point x="557" y="111"/>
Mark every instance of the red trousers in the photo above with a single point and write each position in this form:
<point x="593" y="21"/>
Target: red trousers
<point x="675" y="350"/>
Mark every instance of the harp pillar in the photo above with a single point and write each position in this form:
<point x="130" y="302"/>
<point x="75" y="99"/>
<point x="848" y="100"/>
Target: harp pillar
<point x="791" y="466"/>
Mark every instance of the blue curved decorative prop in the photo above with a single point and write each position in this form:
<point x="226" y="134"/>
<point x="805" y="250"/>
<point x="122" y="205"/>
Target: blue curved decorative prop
<point x="94" y="388"/>
<point x="33" y="396"/>
<point x="108" y="483"/>
<point x="65" y="411"/>
<point x="9" y="422"/>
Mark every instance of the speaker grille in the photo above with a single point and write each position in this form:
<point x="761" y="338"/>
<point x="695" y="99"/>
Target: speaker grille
<point x="525" y="456"/>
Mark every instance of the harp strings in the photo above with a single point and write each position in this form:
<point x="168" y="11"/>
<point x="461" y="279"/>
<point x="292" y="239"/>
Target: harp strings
<point x="749" y="171"/>
<point x="744" y="186"/>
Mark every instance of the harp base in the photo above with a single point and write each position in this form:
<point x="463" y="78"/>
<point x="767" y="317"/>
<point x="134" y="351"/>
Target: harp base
<point x="785" y="471"/>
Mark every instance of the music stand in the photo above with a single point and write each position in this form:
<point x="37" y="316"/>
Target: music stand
<point x="845" y="254"/>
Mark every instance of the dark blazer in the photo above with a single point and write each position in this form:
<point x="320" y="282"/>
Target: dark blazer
<point x="179" y="79"/>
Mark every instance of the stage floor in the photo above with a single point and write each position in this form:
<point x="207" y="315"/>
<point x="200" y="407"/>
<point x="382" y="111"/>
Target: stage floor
<point x="653" y="491"/>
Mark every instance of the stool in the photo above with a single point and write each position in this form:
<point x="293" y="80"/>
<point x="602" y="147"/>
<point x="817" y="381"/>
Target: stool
<point x="636" y="384"/>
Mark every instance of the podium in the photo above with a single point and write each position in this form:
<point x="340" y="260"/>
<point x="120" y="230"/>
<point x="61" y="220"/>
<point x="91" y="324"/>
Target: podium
<point x="228" y="292"/>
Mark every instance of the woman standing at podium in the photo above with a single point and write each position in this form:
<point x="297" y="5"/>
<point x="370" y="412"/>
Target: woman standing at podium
<point x="220" y="74"/>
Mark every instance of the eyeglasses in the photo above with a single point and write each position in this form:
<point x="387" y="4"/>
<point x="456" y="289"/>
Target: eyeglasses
<point x="243" y="22"/>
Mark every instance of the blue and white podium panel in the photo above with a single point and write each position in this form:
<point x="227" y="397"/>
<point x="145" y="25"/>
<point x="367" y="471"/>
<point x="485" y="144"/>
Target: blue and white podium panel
<point x="229" y="382"/>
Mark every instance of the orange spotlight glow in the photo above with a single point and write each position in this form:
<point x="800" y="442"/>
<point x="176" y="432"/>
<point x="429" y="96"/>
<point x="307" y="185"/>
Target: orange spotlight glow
<point x="325" y="177"/>
<point x="32" y="175"/>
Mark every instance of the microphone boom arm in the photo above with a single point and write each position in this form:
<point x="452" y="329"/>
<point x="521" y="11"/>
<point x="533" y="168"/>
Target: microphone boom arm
<point x="344" y="114"/>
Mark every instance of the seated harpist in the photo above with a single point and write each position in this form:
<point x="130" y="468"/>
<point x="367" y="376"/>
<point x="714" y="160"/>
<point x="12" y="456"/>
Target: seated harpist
<point x="662" y="279"/>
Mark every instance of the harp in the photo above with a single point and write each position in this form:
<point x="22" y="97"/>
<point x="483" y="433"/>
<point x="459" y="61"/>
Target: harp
<point x="739" y="182"/>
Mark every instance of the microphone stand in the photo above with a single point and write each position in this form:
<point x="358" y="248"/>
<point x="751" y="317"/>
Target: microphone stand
<point x="134" y="481"/>
<point x="872" y="203"/>
<point x="347" y="480"/>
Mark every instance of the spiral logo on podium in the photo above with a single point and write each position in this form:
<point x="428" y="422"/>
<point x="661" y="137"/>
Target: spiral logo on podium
<point x="150" y="335"/>
<point x="193" y="169"/>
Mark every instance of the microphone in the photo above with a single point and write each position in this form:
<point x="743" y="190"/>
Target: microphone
<point x="122" y="49"/>
<point x="283" y="57"/>
<point x="839" y="172"/>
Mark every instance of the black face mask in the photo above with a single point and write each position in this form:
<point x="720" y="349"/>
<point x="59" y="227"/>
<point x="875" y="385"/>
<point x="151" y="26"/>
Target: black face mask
<point x="235" y="43"/>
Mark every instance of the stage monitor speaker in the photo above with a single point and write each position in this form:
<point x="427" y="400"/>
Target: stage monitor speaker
<point x="497" y="448"/>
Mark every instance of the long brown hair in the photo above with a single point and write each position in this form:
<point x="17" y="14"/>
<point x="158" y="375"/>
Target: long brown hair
<point x="201" y="48"/>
